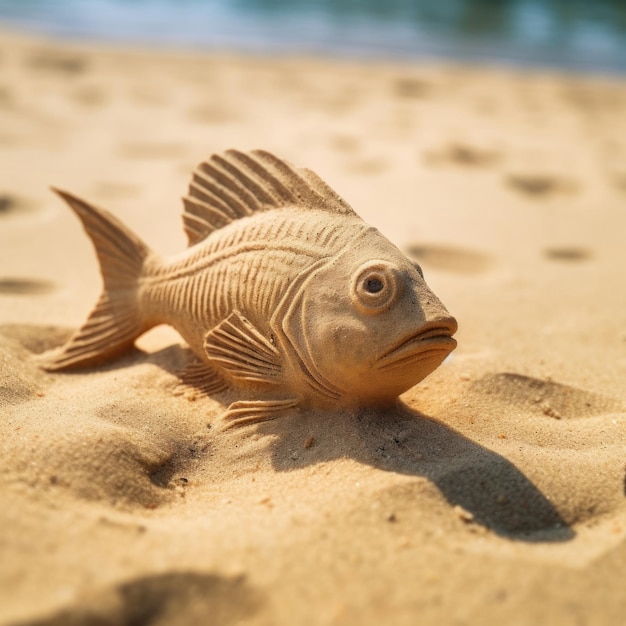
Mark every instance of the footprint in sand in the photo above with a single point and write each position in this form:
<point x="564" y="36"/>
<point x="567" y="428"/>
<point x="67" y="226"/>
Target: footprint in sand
<point x="25" y="286"/>
<point x="540" y="185"/>
<point x="345" y="143"/>
<point x="544" y="398"/>
<point x="55" y="61"/>
<point x="593" y="100"/>
<point x="464" y="155"/>
<point x="90" y="96"/>
<point x="148" y="95"/>
<point x="35" y="339"/>
<point x="115" y="190"/>
<point x="6" y="97"/>
<point x="10" y="204"/>
<point x="567" y="441"/>
<point x="413" y="88"/>
<point x="126" y="466"/>
<point x="370" y="166"/>
<point x="214" y="114"/>
<point x="567" y="254"/>
<point x="450" y="259"/>
<point x="619" y="181"/>
<point x="176" y="599"/>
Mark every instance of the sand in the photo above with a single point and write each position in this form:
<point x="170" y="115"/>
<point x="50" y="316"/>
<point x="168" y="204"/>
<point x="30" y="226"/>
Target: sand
<point x="495" y="494"/>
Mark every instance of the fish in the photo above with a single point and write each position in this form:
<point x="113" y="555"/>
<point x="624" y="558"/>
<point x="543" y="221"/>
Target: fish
<point x="284" y="295"/>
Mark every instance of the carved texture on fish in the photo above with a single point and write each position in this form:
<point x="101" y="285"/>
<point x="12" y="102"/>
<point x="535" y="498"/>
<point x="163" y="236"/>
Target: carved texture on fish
<point x="199" y="378"/>
<point x="240" y="348"/>
<point x="235" y="185"/>
<point x="284" y="294"/>
<point x="115" y="322"/>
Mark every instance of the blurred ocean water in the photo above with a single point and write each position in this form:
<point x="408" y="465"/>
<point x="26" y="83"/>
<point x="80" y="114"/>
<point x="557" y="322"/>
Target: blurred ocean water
<point x="576" y="34"/>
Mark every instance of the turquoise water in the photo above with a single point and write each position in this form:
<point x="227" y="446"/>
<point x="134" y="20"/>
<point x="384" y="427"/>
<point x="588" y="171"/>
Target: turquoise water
<point x="587" y="35"/>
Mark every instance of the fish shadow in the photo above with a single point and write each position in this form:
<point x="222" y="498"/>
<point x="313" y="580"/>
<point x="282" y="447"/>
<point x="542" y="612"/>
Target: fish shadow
<point x="487" y="486"/>
<point x="490" y="490"/>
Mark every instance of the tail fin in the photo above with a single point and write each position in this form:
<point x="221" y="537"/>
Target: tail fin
<point x="116" y="320"/>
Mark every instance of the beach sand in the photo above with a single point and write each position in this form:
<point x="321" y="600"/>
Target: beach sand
<point x="495" y="494"/>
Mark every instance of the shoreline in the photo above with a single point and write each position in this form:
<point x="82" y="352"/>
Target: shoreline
<point x="236" y="47"/>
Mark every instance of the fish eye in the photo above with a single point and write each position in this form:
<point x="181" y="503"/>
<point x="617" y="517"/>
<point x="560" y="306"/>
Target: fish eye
<point x="375" y="287"/>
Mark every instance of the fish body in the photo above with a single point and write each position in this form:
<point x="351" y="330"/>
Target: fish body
<point x="284" y="294"/>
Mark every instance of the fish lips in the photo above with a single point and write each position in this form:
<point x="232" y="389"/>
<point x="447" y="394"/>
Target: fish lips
<point x="432" y="341"/>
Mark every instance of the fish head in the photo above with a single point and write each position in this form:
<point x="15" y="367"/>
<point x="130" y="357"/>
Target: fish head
<point x="367" y="324"/>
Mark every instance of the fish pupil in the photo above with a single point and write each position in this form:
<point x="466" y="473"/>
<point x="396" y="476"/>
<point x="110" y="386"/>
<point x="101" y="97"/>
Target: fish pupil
<point x="373" y="285"/>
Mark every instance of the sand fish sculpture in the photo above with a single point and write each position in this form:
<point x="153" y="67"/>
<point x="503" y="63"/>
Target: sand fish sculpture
<point x="284" y="294"/>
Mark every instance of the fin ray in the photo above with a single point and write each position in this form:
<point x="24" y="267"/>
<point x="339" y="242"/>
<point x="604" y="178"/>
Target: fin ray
<point x="101" y="337"/>
<point x="246" y="412"/>
<point x="242" y="351"/>
<point x="199" y="378"/>
<point x="236" y="184"/>
<point x="115" y="321"/>
<point x="205" y="189"/>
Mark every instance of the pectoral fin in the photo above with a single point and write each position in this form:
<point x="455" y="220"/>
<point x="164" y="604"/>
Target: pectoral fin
<point x="243" y="352"/>
<point x="245" y="412"/>
<point x="199" y="379"/>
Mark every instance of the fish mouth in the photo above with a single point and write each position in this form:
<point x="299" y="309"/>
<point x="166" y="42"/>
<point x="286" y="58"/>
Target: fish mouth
<point x="433" y="340"/>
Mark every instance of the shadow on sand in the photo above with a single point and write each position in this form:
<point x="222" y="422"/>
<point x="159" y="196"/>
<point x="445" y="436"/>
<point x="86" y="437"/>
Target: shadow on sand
<point x="485" y="484"/>
<point x="496" y="493"/>
<point x="399" y="439"/>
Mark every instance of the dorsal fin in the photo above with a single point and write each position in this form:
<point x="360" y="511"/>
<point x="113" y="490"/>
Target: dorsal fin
<point x="236" y="184"/>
